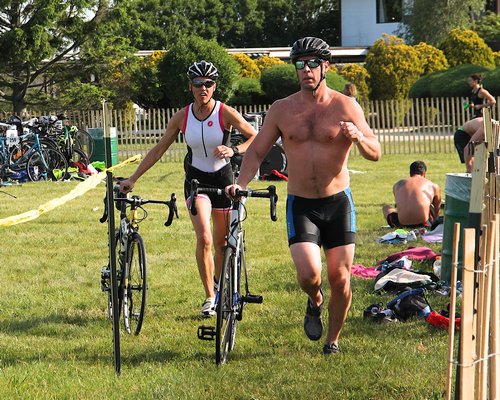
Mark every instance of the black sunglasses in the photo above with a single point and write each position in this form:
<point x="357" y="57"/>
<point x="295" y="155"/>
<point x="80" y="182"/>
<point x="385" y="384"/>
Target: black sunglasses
<point x="198" y="84"/>
<point x="313" y="63"/>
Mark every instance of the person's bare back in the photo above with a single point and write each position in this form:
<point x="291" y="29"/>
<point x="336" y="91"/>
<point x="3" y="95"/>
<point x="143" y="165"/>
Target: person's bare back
<point x="413" y="198"/>
<point x="417" y="199"/>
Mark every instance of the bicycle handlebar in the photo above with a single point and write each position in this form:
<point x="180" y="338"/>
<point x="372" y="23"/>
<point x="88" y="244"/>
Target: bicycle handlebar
<point x="135" y="201"/>
<point x="269" y="192"/>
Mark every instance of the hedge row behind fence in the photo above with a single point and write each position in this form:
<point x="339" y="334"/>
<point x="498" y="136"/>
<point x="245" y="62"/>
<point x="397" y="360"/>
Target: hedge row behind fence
<point x="411" y="126"/>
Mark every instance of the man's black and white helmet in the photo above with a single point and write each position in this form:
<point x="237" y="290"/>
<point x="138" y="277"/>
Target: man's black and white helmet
<point x="310" y="46"/>
<point x="202" y="69"/>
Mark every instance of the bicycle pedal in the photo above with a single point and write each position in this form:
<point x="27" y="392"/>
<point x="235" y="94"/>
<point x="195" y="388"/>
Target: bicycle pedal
<point x="206" y="332"/>
<point x="252" y="298"/>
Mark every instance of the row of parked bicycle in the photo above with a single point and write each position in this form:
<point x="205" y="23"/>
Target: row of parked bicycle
<point x="42" y="148"/>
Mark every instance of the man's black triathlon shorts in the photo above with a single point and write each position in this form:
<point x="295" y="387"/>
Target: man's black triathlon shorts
<point x="328" y="222"/>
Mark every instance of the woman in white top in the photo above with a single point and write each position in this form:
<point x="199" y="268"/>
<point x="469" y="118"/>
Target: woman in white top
<point x="206" y="125"/>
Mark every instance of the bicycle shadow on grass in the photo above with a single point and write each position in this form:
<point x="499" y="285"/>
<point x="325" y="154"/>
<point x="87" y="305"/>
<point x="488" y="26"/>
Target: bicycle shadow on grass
<point x="51" y="325"/>
<point x="83" y="355"/>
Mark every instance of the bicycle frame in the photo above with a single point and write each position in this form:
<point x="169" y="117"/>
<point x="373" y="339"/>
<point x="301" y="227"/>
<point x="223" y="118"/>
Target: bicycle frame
<point x="229" y="298"/>
<point x="235" y="240"/>
<point x="131" y="258"/>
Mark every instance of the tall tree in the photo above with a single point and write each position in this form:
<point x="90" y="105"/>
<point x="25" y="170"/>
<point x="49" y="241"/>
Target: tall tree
<point x="39" y="39"/>
<point x="430" y="20"/>
<point x="157" y="24"/>
<point x="285" y="21"/>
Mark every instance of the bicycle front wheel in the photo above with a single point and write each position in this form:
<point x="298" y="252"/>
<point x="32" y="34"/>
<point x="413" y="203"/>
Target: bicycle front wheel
<point x="135" y="285"/>
<point x="225" y="329"/>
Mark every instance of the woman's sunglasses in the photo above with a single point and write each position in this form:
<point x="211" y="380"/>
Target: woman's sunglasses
<point x="313" y="63"/>
<point x="198" y="84"/>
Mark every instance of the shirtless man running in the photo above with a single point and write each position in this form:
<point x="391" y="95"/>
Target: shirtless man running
<point x="417" y="200"/>
<point x="318" y="127"/>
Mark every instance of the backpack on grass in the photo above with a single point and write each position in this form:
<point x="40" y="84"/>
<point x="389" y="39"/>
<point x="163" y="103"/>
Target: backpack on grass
<point x="409" y="304"/>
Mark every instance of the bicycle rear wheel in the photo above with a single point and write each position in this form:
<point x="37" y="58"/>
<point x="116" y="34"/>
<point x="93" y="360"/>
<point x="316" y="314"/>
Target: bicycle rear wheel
<point x="225" y="329"/>
<point x="47" y="164"/>
<point x="85" y="142"/>
<point x="134" y="286"/>
<point x="78" y="158"/>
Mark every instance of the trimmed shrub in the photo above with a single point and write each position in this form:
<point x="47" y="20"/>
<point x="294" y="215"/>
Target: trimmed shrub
<point x="422" y="87"/>
<point x="172" y="69"/>
<point x="393" y="67"/>
<point x="463" y="46"/>
<point x="450" y="83"/>
<point x="248" y="66"/>
<point x="491" y="81"/>
<point x="335" y="81"/>
<point x="248" y="91"/>
<point x="496" y="57"/>
<point x="266" y="62"/>
<point x="358" y="75"/>
<point x="279" y="81"/>
<point x="432" y="58"/>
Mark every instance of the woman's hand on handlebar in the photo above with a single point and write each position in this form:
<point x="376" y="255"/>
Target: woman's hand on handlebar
<point x="232" y="189"/>
<point x="126" y="185"/>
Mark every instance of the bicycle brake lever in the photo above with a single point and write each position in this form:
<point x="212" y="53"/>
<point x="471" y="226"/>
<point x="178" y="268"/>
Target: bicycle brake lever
<point x="172" y="207"/>
<point x="273" y="198"/>
<point x="194" y="193"/>
<point x="104" y="217"/>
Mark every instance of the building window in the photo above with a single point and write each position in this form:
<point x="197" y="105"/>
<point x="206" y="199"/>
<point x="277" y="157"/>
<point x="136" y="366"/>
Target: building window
<point x="389" y="11"/>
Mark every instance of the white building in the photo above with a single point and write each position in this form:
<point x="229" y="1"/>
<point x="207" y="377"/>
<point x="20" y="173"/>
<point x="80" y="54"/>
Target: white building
<point x="364" y="21"/>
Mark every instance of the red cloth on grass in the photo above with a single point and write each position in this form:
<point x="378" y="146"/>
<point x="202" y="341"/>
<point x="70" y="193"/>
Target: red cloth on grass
<point x="440" y="321"/>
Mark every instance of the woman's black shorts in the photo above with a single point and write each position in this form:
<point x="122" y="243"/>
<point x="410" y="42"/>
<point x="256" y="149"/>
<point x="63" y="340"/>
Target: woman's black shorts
<point x="218" y="179"/>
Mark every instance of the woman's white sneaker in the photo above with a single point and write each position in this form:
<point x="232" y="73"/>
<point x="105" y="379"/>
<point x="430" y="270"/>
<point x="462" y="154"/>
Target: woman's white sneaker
<point x="208" y="307"/>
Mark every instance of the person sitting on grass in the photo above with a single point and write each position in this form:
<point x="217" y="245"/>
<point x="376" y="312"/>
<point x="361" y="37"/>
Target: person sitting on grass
<point x="417" y="200"/>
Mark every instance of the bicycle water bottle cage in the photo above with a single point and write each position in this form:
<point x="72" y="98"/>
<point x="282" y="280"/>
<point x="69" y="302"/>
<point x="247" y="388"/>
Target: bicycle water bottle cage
<point x="206" y="332"/>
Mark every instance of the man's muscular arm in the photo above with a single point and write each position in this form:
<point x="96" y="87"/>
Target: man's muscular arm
<point x="360" y="133"/>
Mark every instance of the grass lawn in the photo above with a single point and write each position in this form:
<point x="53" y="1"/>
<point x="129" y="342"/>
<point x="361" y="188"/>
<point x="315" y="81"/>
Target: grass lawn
<point x="56" y="342"/>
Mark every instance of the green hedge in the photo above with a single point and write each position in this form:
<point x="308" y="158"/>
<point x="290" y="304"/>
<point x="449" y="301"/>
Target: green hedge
<point x="450" y="83"/>
<point x="248" y="91"/>
<point x="280" y="81"/>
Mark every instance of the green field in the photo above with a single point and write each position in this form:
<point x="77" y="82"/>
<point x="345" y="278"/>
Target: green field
<point x="56" y="340"/>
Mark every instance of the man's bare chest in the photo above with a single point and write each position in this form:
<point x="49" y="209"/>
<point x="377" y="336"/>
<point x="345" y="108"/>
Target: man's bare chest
<point x="310" y="128"/>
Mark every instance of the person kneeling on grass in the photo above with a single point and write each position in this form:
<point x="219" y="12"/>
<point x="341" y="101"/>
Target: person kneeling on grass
<point x="417" y="200"/>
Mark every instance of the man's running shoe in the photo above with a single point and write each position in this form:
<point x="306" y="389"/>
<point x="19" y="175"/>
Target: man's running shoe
<point x="313" y="325"/>
<point x="329" y="349"/>
<point x="208" y="307"/>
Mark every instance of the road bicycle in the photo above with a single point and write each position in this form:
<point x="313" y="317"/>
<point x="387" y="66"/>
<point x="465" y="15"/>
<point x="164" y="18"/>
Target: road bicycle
<point x="131" y="257"/>
<point x="231" y="297"/>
